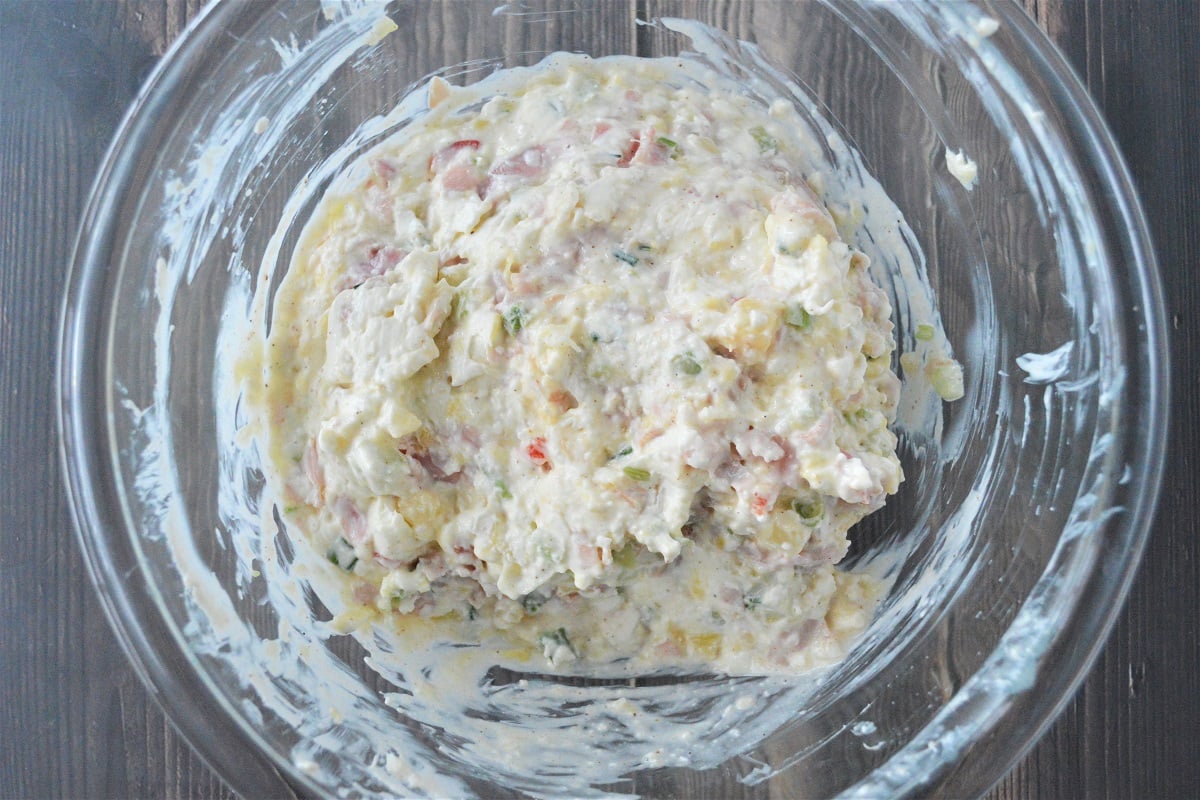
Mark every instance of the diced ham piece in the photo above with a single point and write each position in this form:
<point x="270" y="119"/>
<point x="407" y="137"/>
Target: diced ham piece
<point x="524" y="167"/>
<point x="651" y="153"/>
<point x="471" y="436"/>
<point x="465" y="560"/>
<point x="384" y="168"/>
<point x="387" y="563"/>
<point x="365" y="593"/>
<point x="312" y="468"/>
<point x="455" y="165"/>
<point x="527" y="164"/>
<point x="794" y="640"/>
<point x="379" y="260"/>
<point x="450" y="152"/>
<point x="821" y="429"/>
<point x="563" y="400"/>
<point x="354" y="524"/>
<point x="460" y="178"/>
<point x="433" y="466"/>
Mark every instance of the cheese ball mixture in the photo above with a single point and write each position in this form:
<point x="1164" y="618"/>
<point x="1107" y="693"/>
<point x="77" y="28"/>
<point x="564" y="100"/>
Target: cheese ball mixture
<point x="586" y="365"/>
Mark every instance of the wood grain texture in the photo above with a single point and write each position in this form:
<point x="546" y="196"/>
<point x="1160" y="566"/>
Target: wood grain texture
<point x="1133" y="731"/>
<point x="74" y="720"/>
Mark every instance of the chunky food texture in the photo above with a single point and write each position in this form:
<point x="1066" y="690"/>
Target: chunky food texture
<point x="587" y="364"/>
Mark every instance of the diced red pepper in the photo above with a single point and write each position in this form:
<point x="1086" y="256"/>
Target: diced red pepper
<point x="537" y="453"/>
<point x="758" y="505"/>
<point x="630" y="153"/>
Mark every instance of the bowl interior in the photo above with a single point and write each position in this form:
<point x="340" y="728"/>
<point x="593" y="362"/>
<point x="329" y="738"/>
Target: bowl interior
<point x="1010" y="544"/>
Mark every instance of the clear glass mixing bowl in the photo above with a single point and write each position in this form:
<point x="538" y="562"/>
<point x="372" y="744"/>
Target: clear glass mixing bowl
<point x="1015" y="536"/>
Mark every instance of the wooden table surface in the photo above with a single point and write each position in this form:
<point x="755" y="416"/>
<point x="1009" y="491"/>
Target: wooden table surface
<point x="74" y="720"/>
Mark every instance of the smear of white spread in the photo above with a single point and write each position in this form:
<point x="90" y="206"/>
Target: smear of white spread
<point x="383" y="28"/>
<point x="985" y="26"/>
<point x="287" y="51"/>
<point x="1041" y="368"/>
<point x="962" y="168"/>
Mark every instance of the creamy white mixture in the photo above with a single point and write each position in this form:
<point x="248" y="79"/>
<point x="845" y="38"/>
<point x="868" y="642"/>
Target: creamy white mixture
<point x="964" y="170"/>
<point x="589" y="365"/>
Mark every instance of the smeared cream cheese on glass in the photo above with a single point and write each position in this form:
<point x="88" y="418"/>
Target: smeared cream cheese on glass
<point x="585" y="363"/>
<point x="964" y="170"/>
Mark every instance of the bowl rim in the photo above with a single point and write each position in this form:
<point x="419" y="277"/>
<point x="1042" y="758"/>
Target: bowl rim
<point x="228" y="749"/>
<point x="226" y="742"/>
<point x="922" y="762"/>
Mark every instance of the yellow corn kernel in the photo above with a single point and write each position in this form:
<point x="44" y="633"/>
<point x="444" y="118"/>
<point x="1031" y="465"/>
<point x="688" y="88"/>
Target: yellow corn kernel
<point x="397" y="420"/>
<point x="750" y="328"/>
<point x="425" y="512"/>
<point x="785" y="530"/>
<point x="705" y="645"/>
<point x="678" y="636"/>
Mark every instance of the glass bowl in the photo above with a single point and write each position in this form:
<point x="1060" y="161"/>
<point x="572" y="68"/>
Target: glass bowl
<point x="1011" y="544"/>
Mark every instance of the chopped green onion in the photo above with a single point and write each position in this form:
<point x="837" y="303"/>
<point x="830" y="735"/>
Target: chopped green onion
<point x="686" y="363"/>
<point x="502" y="489"/>
<point x="514" y="320"/>
<point x="341" y="554"/>
<point x="924" y="333"/>
<point x="624" y="451"/>
<point x="766" y="142"/>
<point x="555" y="638"/>
<point x="532" y="602"/>
<point x="645" y="248"/>
<point x="809" y="512"/>
<point x="637" y="473"/>
<point x="665" y="142"/>
<point x="626" y="557"/>
<point x="798" y="317"/>
<point x="628" y="258"/>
